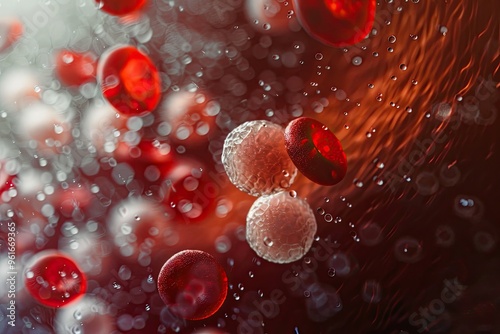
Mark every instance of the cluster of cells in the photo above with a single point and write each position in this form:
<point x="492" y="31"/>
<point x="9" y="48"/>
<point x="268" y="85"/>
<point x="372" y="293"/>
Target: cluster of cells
<point x="261" y="158"/>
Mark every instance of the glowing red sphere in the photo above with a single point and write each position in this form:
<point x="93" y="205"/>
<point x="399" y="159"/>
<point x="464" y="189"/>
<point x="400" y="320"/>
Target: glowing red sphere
<point x="336" y="22"/>
<point x="315" y="151"/>
<point x="129" y="80"/>
<point x="192" y="284"/>
<point x="120" y="7"/>
<point x="54" y="280"/>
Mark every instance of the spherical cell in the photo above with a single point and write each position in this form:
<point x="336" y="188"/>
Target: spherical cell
<point x="255" y="158"/>
<point x="129" y="80"/>
<point x="120" y="7"/>
<point x="336" y="23"/>
<point x="54" y="280"/>
<point x="75" y="69"/>
<point x="315" y="150"/>
<point x="192" y="284"/>
<point x="280" y="228"/>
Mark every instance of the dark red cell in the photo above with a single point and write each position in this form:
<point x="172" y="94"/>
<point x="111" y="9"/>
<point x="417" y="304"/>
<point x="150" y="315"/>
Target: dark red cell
<point x="54" y="280"/>
<point x="75" y="69"/>
<point x="189" y="191"/>
<point x="129" y="81"/>
<point x="336" y="22"/>
<point x="315" y="151"/>
<point x="192" y="284"/>
<point x="120" y="7"/>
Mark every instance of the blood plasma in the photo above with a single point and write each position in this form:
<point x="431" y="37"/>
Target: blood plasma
<point x="75" y="69"/>
<point x="54" y="280"/>
<point x="129" y="80"/>
<point x="336" y="22"/>
<point x="315" y="151"/>
<point x="120" y="7"/>
<point x="192" y="284"/>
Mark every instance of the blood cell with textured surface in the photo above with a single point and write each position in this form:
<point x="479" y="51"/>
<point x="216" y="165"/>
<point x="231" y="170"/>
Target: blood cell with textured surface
<point x="255" y="158"/>
<point x="192" y="284"/>
<point x="280" y="227"/>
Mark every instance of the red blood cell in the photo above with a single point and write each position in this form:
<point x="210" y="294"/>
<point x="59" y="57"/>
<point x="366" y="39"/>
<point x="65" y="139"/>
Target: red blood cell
<point x="54" y="280"/>
<point x="190" y="191"/>
<point x="129" y="80"/>
<point x="315" y="151"/>
<point x="192" y="284"/>
<point x="120" y="7"/>
<point x="75" y="69"/>
<point x="336" y="22"/>
<point x="11" y="29"/>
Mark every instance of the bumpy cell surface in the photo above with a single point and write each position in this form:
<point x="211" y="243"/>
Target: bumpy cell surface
<point x="316" y="151"/>
<point x="192" y="284"/>
<point x="280" y="227"/>
<point x="255" y="158"/>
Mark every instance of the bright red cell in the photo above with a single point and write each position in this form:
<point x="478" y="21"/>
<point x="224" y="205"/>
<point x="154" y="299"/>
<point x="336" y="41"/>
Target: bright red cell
<point x="190" y="191"/>
<point x="120" y="7"/>
<point x="192" y="284"/>
<point x="315" y="151"/>
<point x="75" y="69"/>
<point x="129" y="80"/>
<point x="336" y="22"/>
<point x="54" y="280"/>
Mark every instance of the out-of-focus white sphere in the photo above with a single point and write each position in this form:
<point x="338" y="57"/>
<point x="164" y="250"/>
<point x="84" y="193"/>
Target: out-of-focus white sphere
<point x="255" y="158"/>
<point x="99" y="125"/>
<point x="42" y="123"/>
<point x="87" y="316"/>
<point x="18" y="88"/>
<point x="280" y="227"/>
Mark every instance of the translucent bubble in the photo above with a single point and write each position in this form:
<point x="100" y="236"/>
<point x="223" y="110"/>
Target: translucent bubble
<point x="323" y="302"/>
<point x="408" y="250"/>
<point x="280" y="228"/>
<point x="341" y="264"/>
<point x="255" y="158"/>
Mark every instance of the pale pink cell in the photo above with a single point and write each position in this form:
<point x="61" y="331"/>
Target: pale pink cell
<point x="280" y="227"/>
<point x="255" y="158"/>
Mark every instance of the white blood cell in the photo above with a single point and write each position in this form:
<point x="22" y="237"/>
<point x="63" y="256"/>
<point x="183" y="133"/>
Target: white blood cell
<point x="280" y="228"/>
<point x="255" y="158"/>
